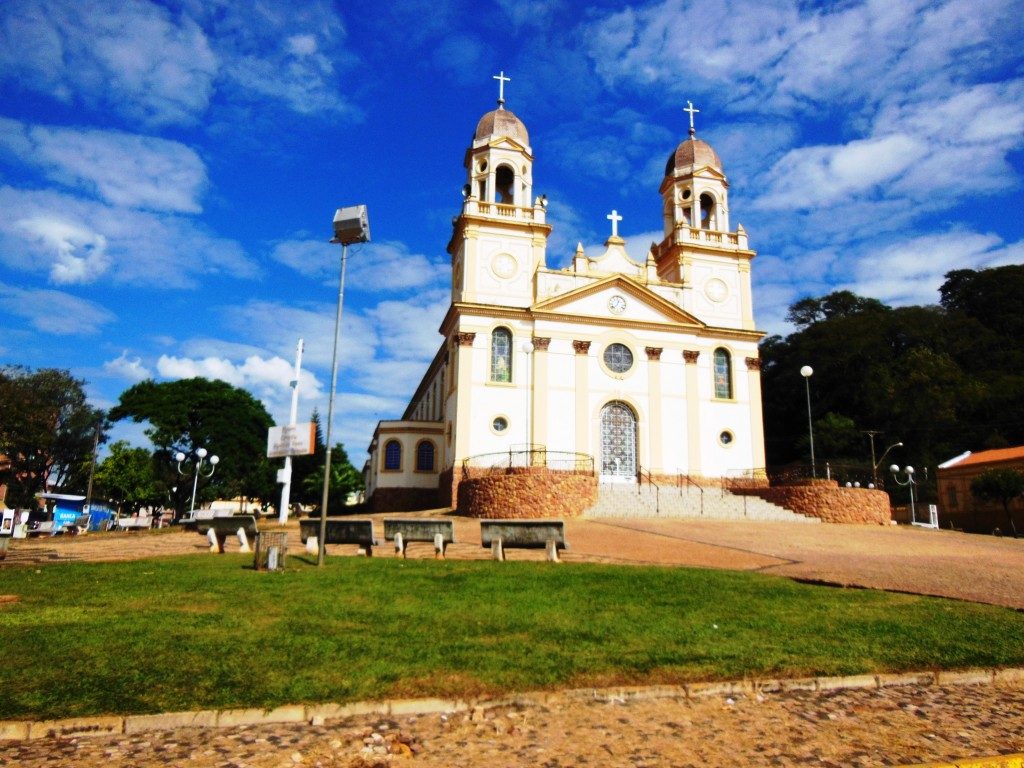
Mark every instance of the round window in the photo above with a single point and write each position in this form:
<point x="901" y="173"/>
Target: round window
<point x="500" y="424"/>
<point x="618" y="358"/>
<point x="726" y="437"/>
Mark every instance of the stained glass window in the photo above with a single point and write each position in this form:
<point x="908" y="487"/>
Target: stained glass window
<point x="425" y="456"/>
<point x="618" y="358"/>
<point x="393" y="455"/>
<point x="501" y="355"/>
<point x="723" y="374"/>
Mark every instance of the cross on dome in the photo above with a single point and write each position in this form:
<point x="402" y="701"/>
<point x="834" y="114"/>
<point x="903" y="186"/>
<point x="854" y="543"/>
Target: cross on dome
<point x="690" y="108"/>
<point x="500" y="77"/>
<point x="614" y="218"/>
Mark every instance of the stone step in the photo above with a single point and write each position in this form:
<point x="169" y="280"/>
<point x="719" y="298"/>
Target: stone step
<point x="628" y="500"/>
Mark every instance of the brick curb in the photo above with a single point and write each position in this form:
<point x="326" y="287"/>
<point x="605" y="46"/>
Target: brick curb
<point x="317" y="714"/>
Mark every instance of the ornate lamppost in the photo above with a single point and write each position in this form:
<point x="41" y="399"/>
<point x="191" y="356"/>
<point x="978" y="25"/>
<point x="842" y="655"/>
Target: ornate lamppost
<point x="910" y="482"/>
<point x="201" y="454"/>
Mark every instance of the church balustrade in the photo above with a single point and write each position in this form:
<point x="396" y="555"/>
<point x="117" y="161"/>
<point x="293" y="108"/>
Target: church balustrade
<point x="684" y="232"/>
<point x="504" y="211"/>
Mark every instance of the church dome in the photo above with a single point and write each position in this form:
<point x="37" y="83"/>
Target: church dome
<point x="690" y="152"/>
<point x="501" y="122"/>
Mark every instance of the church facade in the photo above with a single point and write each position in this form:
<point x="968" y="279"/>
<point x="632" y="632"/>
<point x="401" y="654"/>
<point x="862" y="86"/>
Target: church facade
<point x="629" y="369"/>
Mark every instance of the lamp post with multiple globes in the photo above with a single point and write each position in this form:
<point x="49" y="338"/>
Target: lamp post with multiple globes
<point x="201" y="454"/>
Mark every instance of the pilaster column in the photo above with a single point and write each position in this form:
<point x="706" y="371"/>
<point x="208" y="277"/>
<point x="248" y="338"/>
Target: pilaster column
<point x="582" y="349"/>
<point x="656" y="438"/>
<point x="463" y="393"/>
<point x="692" y="413"/>
<point x="540" y="389"/>
<point x="756" y="414"/>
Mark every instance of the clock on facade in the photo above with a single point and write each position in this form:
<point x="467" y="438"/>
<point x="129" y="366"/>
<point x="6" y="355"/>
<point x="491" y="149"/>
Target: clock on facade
<point x="617" y="304"/>
<point x="504" y="265"/>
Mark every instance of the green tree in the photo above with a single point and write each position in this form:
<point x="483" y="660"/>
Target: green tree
<point x="127" y="476"/>
<point x="345" y="479"/>
<point x="808" y="311"/>
<point x="47" y="431"/>
<point x="200" y="413"/>
<point x="303" y="466"/>
<point x="1002" y="485"/>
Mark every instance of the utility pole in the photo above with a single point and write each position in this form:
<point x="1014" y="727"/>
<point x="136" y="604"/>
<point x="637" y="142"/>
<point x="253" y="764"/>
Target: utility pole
<point x="871" y="434"/>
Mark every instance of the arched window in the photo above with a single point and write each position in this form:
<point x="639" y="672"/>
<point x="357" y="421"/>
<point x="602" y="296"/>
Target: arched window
<point x="501" y="355"/>
<point x="723" y="374"/>
<point x="505" y="181"/>
<point x="393" y="455"/>
<point x="708" y="213"/>
<point x="425" y="456"/>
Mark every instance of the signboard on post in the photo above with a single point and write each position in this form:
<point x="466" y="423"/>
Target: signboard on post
<point x="291" y="440"/>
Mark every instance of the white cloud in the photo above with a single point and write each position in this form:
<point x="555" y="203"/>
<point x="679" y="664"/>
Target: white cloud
<point x="390" y="266"/>
<point x="278" y="327"/>
<point x="121" y="168"/>
<point x="911" y="271"/>
<point x="79" y="254"/>
<point x="54" y="312"/>
<point x="79" y="241"/>
<point x="134" y="57"/>
<point x="124" y="368"/>
<point x="812" y="177"/>
<point x="290" y="53"/>
<point x="372" y="267"/>
<point x="267" y="378"/>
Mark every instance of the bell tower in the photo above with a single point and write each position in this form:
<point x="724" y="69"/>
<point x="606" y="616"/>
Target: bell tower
<point x="499" y="239"/>
<point x="699" y="250"/>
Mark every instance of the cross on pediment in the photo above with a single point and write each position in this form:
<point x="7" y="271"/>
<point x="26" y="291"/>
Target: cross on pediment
<point x="614" y="218"/>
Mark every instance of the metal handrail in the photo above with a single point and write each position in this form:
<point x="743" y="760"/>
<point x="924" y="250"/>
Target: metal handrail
<point x="640" y="474"/>
<point x="529" y="457"/>
<point x="688" y="481"/>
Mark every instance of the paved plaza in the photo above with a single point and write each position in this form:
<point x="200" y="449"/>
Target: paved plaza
<point x="904" y="725"/>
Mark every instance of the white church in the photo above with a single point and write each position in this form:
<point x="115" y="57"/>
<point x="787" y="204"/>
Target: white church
<point x="635" y="369"/>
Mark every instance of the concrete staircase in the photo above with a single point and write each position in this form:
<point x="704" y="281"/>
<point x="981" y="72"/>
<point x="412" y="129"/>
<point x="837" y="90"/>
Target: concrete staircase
<point x="630" y="500"/>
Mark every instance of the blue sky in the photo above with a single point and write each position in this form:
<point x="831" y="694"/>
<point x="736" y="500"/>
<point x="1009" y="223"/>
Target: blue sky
<point x="169" y="171"/>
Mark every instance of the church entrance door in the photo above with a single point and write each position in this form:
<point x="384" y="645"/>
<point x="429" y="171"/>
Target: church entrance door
<point x="618" y="443"/>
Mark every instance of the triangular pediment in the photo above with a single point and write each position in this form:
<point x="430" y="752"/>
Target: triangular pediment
<point x="506" y="142"/>
<point x="618" y="298"/>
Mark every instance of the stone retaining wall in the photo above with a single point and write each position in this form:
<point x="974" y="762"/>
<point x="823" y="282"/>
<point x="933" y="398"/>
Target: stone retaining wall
<point x="825" y="499"/>
<point x="525" y="492"/>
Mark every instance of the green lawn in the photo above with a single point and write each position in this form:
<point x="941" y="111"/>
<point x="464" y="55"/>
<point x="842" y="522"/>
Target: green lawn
<point x="208" y="632"/>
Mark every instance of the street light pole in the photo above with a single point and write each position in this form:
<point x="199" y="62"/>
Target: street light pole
<point x="201" y="454"/>
<point x="910" y="482"/>
<point x="351" y="225"/>
<point x="330" y="412"/>
<point x="807" y="372"/>
<point x="877" y="464"/>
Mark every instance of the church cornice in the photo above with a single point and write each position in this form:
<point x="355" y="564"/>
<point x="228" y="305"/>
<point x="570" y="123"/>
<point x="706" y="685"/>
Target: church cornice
<point x="465" y="221"/>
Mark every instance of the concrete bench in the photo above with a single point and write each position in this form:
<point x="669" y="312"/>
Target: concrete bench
<point x="135" y="523"/>
<point x="440" y="532"/>
<point x="243" y="526"/>
<point x="500" y="535"/>
<point x="339" y="531"/>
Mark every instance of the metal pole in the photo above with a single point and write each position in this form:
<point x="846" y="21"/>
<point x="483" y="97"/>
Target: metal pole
<point x="330" y="410"/>
<point x="810" y="425"/>
<point x="286" y="490"/>
<point x="195" y="487"/>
